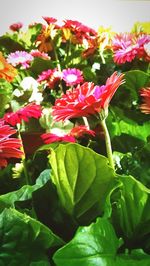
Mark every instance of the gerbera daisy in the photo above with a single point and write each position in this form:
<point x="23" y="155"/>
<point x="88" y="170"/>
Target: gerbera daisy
<point x="16" y="26"/>
<point x="57" y="135"/>
<point x="72" y="76"/>
<point x="7" y="71"/>
<point x="145" y="107"/>
<point x="80" y="131"/>
<point x="9" y="147"/>
<point x="20" y="58"/>
<point x="37" y="53"/>
<point x="29" y="111"/>
<point x="50" y="20"/>
<point x="86" y="99"/>
<point x="50" y="77"/>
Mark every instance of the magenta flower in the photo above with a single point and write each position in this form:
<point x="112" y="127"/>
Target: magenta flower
<point x="29" y="111"/>
<point x="72" y="76"/>
<point x="20" y="58"/>
<point x="86" y="99"/>
<point x="16" y="26"/>
<point x="9" y="147"/>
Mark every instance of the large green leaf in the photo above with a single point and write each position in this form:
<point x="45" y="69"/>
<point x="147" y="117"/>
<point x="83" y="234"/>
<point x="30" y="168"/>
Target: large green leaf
<point x="97" y="245"/>
<point x="130" y="212"/>
<point x="23" y="240"/>
<point x="83" y="179"/>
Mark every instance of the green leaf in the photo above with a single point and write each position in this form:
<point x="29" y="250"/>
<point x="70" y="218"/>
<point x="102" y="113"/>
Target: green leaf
<point x="130" y="211"/>
<point x="23" y="240"/>
<point x="97" y="245"/>
<point x="24" y="193"/>
<point x="40" y="64"/>
<point x="10" y="45"/>
<point x="82" y="178"/>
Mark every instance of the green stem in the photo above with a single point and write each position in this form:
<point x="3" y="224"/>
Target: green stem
<point x="27" y="178"/>
<point x="86" y="122"/>
<point x="108" y="144"/>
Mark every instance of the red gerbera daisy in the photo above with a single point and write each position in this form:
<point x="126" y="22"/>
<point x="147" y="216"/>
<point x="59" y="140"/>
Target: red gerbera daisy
<point x="29" y="111"/>
<point x="59" y="137"/>
<point x="9" y="147"/>
<point x="80" y="131"/>
<point x="16" y="26"/>
<point x="50" y="77"/>
<point x="86" y="99"/>
<point x="50" y="20"/>
<point x="145" y="107"/>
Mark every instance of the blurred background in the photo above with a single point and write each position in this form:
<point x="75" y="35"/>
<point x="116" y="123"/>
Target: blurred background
<point x="119" y="14"/>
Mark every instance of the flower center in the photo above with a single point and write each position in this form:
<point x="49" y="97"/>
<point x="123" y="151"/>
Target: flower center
<point x="71" y="77"/>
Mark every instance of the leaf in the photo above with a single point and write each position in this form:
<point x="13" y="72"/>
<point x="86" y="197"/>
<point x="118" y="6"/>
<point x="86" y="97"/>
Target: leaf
<point x="31" y="34"/>
<point x="40" y="65"/>
<point x="10" y="45"/>
<point x="24" y="193"/>
<point x="97" y="245"/>
<point x="24" y="240"/>
<point x="127" y="97"/>
<point x="82" y="178"/>
<point x="130" y="211"/>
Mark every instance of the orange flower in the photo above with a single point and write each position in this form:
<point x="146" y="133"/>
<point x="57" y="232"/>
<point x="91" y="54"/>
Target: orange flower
<point x="7" y="71"/>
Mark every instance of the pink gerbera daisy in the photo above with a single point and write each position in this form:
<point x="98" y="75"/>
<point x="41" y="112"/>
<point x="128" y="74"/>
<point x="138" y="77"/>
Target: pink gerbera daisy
<point x="86" y="99"/>
<point x="72" y="76"/>
<point x="9" y="147"/>
<point x="20" y="58"/>
<point x="145" y="107"/>
<point x="29" y="111"/>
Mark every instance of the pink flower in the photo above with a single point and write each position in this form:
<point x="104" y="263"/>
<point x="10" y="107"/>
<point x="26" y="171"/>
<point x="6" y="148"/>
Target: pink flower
<point x="29" y="111"/>
<point x="51" y="137"/>
<point x="143" y="40"/>
<point x="125" y="48"/>
<point x="145" y="107"/>
<point x="86" y="99"/>
<point x="20" y="58"/>
<point x="9" y="147"/>
<point x="37" y="53"/>
<point x="51" y="77"/>
<point x="16" y="26"/>
<point x="72" y="76"/>
<point x="50" y="20"/>
<point x="80" y="131"/>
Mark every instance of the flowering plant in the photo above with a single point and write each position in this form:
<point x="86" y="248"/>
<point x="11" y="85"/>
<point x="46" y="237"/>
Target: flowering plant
<point x="74" y="145"/>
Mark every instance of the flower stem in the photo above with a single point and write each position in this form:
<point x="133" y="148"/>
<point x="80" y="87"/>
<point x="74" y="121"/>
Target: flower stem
<point x="86" y="122"/>
<point x="108" y="144"/>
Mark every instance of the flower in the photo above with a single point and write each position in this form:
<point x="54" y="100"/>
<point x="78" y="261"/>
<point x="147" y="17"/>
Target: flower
<point x="29" y="111"/>
<point x="37" y="53"/>
<point x="9" y="147"/>
<point x="30" y="84"/>
<point x="51" y="77"/>
<point x="16" y="26"/>
<point x="50" y="20"/>
<point x="72" y="76"/>
<point x="86" y="99"/>
<point x="20" y="58"/>
<point x="80" y="131"/>
<point x="7" y="71"/>
<point x="125" y="48"/>
<point x="145" y="107"/>
<point x="58" y="137"/>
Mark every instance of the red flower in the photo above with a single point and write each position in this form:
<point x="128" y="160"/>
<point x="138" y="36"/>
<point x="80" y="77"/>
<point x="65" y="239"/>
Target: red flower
<point x="80" y="131"/>
<point x="51" y="137"/>
<point x="86" y="99"/>
<point x="16" y="26"/>
<point x="50" y="77"/>
<point x="145" y="107"/>
<point x="9" y="147"/>
<point x="50" y="20"/>
<point x="29" y="111"/>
